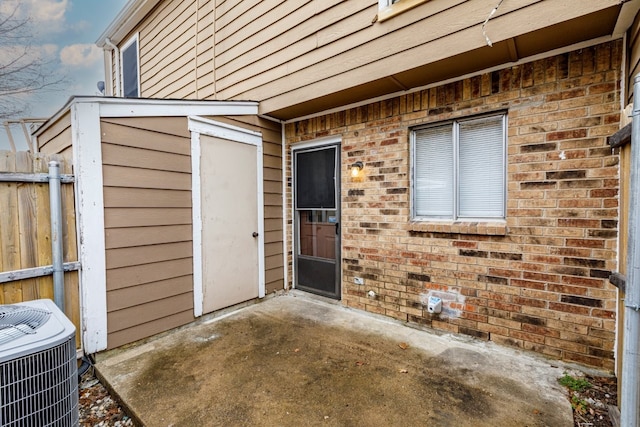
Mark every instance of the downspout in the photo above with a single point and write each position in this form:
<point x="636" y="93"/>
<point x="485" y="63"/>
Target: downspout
<point x="116" y="54"/>
<point x="195" y="62"/>
<point x="215" y="67"/>
<point x="630" y="403"/>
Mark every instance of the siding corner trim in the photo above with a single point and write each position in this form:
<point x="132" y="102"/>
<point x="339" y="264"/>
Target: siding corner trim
<point x="87" y="162"/>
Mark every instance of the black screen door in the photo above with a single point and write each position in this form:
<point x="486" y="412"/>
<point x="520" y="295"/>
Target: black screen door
<point x="317" y="213"/>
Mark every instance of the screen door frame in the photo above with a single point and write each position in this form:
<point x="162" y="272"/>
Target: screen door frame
<point x="335" y="291"/>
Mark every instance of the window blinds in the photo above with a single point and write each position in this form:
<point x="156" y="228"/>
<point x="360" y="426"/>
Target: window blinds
<point x="459" y="169"/>
<point x="434" y="173"/>
<point x="481" y="168"/>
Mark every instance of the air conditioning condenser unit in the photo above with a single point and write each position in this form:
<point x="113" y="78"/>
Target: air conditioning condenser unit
<point x="38" y="366"/>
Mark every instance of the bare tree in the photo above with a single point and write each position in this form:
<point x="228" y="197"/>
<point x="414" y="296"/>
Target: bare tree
<point x="24" y="71"/>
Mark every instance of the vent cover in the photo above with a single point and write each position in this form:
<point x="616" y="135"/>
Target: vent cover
<point x="38" y="368"/>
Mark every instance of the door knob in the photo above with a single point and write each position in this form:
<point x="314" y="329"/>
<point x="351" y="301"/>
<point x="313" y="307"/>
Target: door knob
<point x="255" y="234"/>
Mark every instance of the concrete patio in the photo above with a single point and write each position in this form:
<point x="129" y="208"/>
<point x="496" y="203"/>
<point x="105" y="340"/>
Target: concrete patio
<point x="296" y="360"/>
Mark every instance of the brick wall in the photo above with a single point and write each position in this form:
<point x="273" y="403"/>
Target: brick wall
<point x="538" y="281"/>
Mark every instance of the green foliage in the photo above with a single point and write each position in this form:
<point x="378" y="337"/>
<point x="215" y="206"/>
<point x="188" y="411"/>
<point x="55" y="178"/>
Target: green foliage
<point x="573" y="383"/>
<point x="579" y="405"/>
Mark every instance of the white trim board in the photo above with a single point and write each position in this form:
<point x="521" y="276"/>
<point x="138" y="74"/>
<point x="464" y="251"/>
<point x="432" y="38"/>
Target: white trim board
<point x="133" y="39"/>
<point x="261" y="263"/>
<point x="217" y="129"/>
<point x="177" y="109"/>
<point x="129" y="107"/>
<point x="196" y="214"/>
<point x="316" y="143"/>
<point x="87" y="163"/>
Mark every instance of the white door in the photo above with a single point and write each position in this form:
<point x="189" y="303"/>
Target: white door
<point x="231" y="216"/>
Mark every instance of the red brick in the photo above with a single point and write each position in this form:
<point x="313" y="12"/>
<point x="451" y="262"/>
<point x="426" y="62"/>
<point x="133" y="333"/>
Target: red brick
<point x="585" y="243"/>
<point x="605" y="314"/>
<point x="525" y="336"/>
<point x="541" y="330"/>
<point x="569" y="308"/>
<point x="562" y="184"/>
<point x="531" y="302"/>
<point x="568" y="134"/>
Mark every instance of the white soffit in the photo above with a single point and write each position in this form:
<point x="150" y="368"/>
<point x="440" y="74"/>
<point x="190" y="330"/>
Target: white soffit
<point x="625" y="19"/>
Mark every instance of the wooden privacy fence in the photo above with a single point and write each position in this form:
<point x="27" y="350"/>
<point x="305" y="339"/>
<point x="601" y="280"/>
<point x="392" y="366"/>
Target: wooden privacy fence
<point x="25" y="233"/>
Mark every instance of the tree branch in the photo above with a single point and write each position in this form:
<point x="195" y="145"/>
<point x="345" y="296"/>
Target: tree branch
<point x="23" y="71"/>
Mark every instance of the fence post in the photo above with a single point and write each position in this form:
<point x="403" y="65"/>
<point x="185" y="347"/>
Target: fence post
<point x="56" y="234"/>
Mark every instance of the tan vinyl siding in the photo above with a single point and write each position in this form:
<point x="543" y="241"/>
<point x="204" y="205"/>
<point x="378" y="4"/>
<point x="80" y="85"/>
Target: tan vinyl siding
<point x="299" y="57"/>
<point x="167" y="51"/>
<point x="205" y="78"/>
<point x="272" y="171"/>
<point x="152" y="328"/>
<point x="57" y="137"/>
<point x="283" y="53"/>
<point x="148" y="233"/>
<point x="113" y="81"/>
<point x="633" y="56"/>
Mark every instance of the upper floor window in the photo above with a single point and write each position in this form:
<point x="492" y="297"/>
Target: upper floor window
<point x="130" y="68"/>
<point x="390" y="8"/>
<point x="459" y="169"/>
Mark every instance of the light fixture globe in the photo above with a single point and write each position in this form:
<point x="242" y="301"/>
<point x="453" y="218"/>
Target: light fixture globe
<point x="356" y="168"/>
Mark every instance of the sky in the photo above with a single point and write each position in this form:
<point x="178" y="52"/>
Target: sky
<point x="64" y="33"/>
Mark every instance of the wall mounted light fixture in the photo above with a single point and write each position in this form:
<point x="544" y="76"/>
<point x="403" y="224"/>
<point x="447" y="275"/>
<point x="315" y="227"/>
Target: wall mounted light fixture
<point x="356" y="168"/>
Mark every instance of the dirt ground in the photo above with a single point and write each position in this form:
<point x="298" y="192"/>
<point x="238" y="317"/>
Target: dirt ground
<point x="97" y="408"/>
<point x="591" y="404"/>
<point x="274" y="366"/>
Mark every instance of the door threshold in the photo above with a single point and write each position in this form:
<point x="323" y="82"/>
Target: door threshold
<point x="312" y="296"/>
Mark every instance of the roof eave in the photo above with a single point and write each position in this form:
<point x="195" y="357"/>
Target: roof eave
<point x="126" y="20"/>
<point x="139" y="107"/>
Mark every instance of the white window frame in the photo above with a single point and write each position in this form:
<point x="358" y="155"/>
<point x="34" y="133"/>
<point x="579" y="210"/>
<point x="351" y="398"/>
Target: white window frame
<point x="385" y="3"/>
<point x="456" y="185"/>
<point x="389" y="8"/>
<point x="134" y="39"/>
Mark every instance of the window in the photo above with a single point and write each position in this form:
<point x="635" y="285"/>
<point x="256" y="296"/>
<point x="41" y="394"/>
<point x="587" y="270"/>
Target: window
<point x="130" y="68"/>
<point x="459" y="169"/>
<point x="389" y="8"/>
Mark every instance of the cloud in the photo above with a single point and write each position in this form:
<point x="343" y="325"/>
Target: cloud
<point x="80" y="55"/>
<point x="48" y="10"/>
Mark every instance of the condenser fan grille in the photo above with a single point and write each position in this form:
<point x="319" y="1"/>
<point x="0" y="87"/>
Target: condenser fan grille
<point x="17" y="321"/>
<point x="38" y="367"/>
